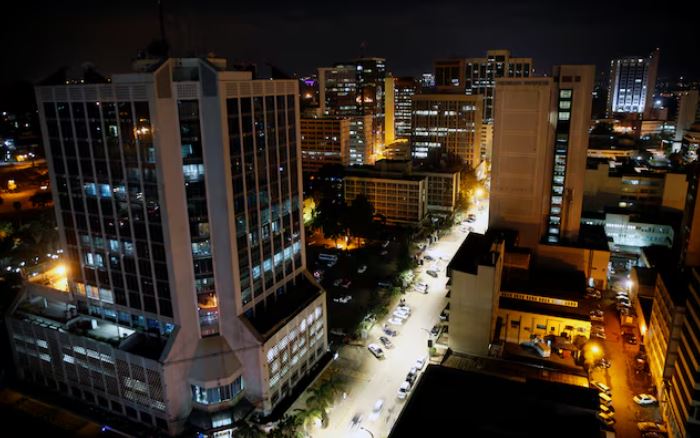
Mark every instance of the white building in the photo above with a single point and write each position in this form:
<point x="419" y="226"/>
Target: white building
<point x="178" y="199"/>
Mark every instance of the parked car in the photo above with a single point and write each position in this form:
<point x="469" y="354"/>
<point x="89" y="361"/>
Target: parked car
<point x="432" y="273"/>
<point x="376" y="351"/>
<point x="606" y="409"/>
<point x="395" y="321"/>
<point x="401" y="315"/>
<point x="644" y="399"/>
<point x="337" y="282"/>
<point x="596" y="315"/>
<point x="443" y="316"/>
<point x="650" y="426"/>
<point x="346" y="284"/>
<point x="606" y="419"/>
<point x="389" y="331"/>
<point x="386" y="342"/>
<point x="600" y="386"/>
<point x="404" y="307"/>
<point x="630" y="338"/>
<point x="403" y="390"/>
<point x="362" y="269"/>
<point x="420" y="362"/>
<point x="343" y="300"/>
<point x="422" y="287"/>
<point x="412" y="375"/>
<point x="385" y="244"/>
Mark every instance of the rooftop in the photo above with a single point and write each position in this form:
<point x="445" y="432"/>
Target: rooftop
<point x="474" y="251"/>
<point x="532" y="408"/>
<point x="300" y="293"/>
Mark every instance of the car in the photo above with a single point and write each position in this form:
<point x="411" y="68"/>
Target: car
<point x="603" y="363"/>
<point x="386" y="342"/>
<point x="422" y="287"/>
<point x="385" y="252"/>
<point x="600" y="386"/>
<point x="343" y="300"/>
<point x="389" y="331"/>
<point x="395" y="321"/>
<point x="428" y="257"/>
<point x="606" y="409"/>
<point x="377" y="409"/>
<point x="412" y="375"/>
<point x="402" y="311"/>
<point x="383" y="284"/>
<point x="435" y="330"/>
<point x="346" y="284"/>
<point x="471" y="229"/>
<point x="331" y="263"/>
<point x="443" y="316"/>
<point x="420" y="362"/>
<point x="337" y="282"/>
<point x="600" y="335"/>
<point x="376" y="351"/>
<point x="432" y="273"/>
<point x="630" y="338"/>
<point x="385" y="244"/>
<point x="644" y="399"/>
<point x="606" y="419"/>
<point x="596" y="316"/>
<point x="362" y="269"/>
<point x="404" y="307"/>
<point x="401" y="315"/>
<point x="651" y="426"/>
<point x="403" y="390"/>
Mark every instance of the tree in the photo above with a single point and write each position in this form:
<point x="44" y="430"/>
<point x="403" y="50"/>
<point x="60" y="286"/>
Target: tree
<point x="247" y="430"/>
<point x="330" y="218"/>
<point x="17" y="205"/>
<point x="291" y="426"/>
<point x="359" y="217"/>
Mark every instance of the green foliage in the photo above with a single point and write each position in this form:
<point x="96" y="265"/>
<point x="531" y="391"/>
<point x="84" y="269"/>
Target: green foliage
<point x="359" y="217"/>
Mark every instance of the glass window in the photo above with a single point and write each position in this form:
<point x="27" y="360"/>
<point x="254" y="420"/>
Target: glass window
<point x="564" y="115"/>
<point x="565" y="94"/>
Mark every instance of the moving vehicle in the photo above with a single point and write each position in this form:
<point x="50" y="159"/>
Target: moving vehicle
<point x="377" y="409"/>
<point x="362" y="269"/>
<point x="429" y="258"/>
<point x="600" y="386"/>
<point x="403" y="390"/>
<point x="386" y="342"/>
<point x="644" y="399"/>
<point x="355" y="422"/>
<point x="385" y="244"/>
<point x="376" y="351"/>
<point x="540" y="346"/>
<point x="432" y="273"/>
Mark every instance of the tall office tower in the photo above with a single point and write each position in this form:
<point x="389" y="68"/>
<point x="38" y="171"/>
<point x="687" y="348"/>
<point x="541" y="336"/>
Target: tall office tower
<point x="632" y="83"/>
<point x="539" y="154"/>
<point x="178" y="199"/>
<point x="688" y="112"/>
<point x="399" y="92"/>
<point x="478" y="76"/>
<point x="356" y="89"/>
<point x="447" y="125"/>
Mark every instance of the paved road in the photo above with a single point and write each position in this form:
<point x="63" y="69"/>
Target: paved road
<point x="372" y="379"/>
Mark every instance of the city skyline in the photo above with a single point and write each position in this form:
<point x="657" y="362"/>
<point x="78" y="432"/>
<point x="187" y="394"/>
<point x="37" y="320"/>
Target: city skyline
<point x="249" y="33"/>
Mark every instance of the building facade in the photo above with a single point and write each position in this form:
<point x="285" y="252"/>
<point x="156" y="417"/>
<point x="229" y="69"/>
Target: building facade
<point x="188" y="296"/>
<point x="324" y="140"/>
<point x="399" y="199"/>
<point x="632" y="84"/>
<point x="540" y="144"/>
<point x="448" y="125"/>
<point x="399" y="94"/>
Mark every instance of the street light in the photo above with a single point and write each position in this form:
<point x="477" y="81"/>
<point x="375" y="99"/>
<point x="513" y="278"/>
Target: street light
<point x="367" y="430"/>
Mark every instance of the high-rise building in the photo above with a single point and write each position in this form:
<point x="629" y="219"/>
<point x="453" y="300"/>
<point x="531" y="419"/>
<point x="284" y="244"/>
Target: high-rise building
<point x="399" y="94"/>
<point x="324" y="140"/>
<point x="447" y="125"/>
<point x="477" y="76"/>
<point x="632" y="83"/>
<point x="688" y="112"/>
<point x="356" y="89"/>
<point x="540" y="144"/>
<point x="178" y="200"/>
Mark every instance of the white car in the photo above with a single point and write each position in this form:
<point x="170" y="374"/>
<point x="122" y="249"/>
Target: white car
<point x="385" y="244"/>
<point x="420" y="362"/>
<point x="600" y="386"/>
<point x="403" y="390"/>
<point x="400" y="315"/>
<point x="362" y="269"/>
<point x="377" y="409"/>
<point x="395" y="321"/>
<point x="644" y="399"/>
<point x="376" y="351"/>
<point x="606" y="419"/>
<point x="401" y="309"/>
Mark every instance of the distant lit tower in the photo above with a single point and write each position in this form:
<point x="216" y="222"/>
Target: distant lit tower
<point x="177" y="191"/>
<point x="356" y="90"/>
<point x="399" y="92"/>
<point x="632" y="84"/>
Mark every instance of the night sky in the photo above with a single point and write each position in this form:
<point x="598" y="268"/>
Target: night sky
<point x="298" y="36"/>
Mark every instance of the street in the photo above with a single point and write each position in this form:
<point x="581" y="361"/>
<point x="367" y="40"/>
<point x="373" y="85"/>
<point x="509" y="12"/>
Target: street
<point x="370" y="379"/>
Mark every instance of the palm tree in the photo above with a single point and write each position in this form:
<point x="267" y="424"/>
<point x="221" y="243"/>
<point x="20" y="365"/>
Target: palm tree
<point x="291" y="426"/>
<point x="247" y="430"/>
<point x="319" y="398"/>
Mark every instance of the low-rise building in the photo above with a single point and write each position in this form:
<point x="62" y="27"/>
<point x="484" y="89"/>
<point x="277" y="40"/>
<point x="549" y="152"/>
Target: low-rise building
<point x="324" y="140"/>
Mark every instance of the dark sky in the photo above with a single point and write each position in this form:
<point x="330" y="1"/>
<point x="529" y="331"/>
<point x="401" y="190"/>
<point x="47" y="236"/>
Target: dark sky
<point x="298" y="36"/>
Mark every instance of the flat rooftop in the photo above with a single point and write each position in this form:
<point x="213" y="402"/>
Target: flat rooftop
<point x="453" y="402"/>
<point x="473" y="252"/>
<point x="364" y="172"/>
<point x="278" y="311"/>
